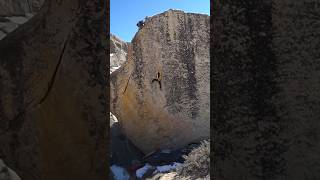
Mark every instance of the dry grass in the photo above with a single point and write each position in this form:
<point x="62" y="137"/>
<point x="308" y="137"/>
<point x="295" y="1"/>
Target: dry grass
<point x="197" y="162"/>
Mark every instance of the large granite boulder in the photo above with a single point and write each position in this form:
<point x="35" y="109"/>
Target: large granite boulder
<point x="160" y="95"/>
<point x="53" y="119"/>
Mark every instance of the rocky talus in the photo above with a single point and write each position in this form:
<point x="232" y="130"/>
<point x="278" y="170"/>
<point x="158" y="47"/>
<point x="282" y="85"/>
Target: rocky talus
<point x="160" y="95"/>
<point x="118" y="52"/>
<point x="266" y="89"/>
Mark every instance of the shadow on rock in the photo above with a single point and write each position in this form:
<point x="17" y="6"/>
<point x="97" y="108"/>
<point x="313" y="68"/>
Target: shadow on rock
<point x="123" y="151"/>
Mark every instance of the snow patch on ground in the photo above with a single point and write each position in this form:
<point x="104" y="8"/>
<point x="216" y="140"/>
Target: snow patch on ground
<point x="167" y="151"/>
<point x="119" y="173"/>
<point x="112" y="69"/>
<point x="159" y="169"/>
<point x="167" y="168"/>
<point x="140" y="172"/>
<point x="113" y="117"/>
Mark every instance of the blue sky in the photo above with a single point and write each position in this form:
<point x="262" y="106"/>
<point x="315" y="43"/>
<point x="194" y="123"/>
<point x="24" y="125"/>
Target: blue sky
<point x="124" y="14"/>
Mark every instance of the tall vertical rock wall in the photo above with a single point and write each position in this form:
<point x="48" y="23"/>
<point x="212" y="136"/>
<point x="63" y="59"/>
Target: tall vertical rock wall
<point x="53" y="119"/>
<point x="267" y="91"/>
<point x="174" y="46"/>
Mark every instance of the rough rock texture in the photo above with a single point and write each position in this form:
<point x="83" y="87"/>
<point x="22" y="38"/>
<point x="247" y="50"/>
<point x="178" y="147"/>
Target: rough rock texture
<point x="6" y="173"/>
<point x="175" y="45"/>
<point x="53" y="119"/>
<point x="118" y="51"/>
<point x="16" y="12"/>
<point x="19" y="7"/>
<point x="267" y="91"/>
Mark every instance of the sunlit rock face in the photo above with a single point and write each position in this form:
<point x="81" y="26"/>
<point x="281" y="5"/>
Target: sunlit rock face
<point x="160" y="95"/>
<point x="118" y="52"/>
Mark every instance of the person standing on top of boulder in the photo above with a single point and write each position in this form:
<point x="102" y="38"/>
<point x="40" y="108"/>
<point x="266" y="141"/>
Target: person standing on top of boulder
<point x="140" y="24"/>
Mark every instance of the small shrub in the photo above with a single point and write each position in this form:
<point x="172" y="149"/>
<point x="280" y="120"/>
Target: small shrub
<point x="197" y="162"/>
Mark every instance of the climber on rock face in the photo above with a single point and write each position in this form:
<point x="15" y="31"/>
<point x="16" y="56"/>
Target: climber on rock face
<point x="158" y="79"/>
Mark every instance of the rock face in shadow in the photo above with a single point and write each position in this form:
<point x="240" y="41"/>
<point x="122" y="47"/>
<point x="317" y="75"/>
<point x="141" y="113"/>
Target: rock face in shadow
<point x="6" y="173"/>
<point x="267" y="91"/>
<point x="16" y="12"/>
<point x="122" y="152"/>
<point x="160" y="95"/>
<point x="19" y="7"/>
<point x="53" y="119"/>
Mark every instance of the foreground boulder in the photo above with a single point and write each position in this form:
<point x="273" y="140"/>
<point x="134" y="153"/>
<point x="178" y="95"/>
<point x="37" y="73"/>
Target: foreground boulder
<point x="160" y="95"/>
<point x="53" y="119"/>
<point x="267" y="91"/>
